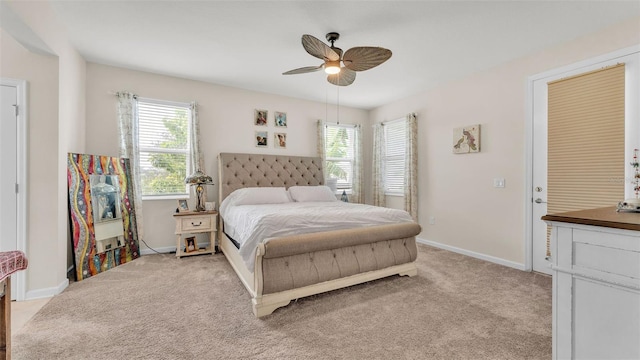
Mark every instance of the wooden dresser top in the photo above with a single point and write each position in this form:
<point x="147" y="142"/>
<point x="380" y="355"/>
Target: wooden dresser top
<point x="607" y="217"/>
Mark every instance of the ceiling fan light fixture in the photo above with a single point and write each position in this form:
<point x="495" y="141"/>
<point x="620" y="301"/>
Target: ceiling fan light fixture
<point x="340" y="67"/>
<point x="332" y="67"/>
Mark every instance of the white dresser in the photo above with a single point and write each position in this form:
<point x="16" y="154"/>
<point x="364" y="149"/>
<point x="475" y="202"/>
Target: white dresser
<point x="596" y="284"/>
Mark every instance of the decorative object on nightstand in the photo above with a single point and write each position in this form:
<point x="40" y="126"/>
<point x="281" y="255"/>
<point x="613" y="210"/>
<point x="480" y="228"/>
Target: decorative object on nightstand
<point x="332" y="183"/>
<point x="183" y="205"/>
<point x="344" y="196"/>
<point x="199" y="179"/>
<point x="190" y="244"/>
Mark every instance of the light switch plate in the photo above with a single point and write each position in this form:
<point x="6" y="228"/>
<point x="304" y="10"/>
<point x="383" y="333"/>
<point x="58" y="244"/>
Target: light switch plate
<point x="498" y="182"/>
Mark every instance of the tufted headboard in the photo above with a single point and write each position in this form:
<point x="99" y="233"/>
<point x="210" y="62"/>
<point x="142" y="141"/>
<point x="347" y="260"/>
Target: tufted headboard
<point x="237" y="171"/>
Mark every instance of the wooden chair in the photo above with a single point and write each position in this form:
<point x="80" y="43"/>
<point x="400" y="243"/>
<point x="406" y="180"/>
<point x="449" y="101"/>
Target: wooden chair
<point x="10" y="262"/>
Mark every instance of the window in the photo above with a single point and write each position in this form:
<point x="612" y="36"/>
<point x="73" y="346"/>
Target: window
<point x="340" y="154"/>
<point x="164" y="134"/>
<point x="395" y="140"/>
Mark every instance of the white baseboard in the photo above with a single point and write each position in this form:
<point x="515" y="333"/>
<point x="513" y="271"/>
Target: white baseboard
<point x="47" y="292"/>
<point x="166" y="249"/>
<point x="474" y="254"/>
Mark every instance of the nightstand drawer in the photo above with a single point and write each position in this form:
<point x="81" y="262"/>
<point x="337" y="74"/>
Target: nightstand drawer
<point x="200" y="223"/>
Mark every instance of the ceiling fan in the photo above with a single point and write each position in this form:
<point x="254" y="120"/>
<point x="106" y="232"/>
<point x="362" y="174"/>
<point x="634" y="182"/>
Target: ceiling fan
<point x="359" y="58"/>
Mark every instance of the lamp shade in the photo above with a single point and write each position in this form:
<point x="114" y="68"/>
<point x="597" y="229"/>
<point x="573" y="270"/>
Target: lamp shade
<point x="198" y="178"/>
<point x="332" y="183"/>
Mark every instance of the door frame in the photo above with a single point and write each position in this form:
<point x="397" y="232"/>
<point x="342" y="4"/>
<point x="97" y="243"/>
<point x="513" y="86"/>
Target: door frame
<point x="630" y="128"/>
<point x="22" y="176"/>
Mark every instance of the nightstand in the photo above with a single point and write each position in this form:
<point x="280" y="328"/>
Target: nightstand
<point x="195" y="223"/>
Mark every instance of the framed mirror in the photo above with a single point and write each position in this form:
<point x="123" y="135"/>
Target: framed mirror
<point x="107" y="216"/>
<point x="104" y="195"/>
<point x="101" y="213"/>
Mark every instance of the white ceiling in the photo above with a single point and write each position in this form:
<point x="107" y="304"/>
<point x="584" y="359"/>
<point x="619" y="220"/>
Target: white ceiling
<point x="249" y="44"/>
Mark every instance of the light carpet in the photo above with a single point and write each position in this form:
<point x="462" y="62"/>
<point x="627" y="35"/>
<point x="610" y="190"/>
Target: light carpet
<point x="160" y="307"/>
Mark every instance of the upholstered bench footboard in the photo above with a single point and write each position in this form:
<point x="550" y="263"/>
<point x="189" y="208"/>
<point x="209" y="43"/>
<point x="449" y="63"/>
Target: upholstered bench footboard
<point x="297" y="261"/>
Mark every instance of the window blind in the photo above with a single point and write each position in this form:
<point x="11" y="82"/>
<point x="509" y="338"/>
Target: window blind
<point x="163" y="140"/>
<point x="585" y="163"/>
<point x="395" y="143"/>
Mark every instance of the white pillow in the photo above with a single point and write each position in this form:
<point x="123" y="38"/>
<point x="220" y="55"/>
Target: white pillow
<point x="311" y="193"/>
<point x="259" y="195"/>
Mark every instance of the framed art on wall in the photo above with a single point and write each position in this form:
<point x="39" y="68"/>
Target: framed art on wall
<point x="466" y="139"/>
<point x="261" y="138"/>
<point x="280" y="140"/>
<point x="280" y="119"/>
<point x="260" y="117"/>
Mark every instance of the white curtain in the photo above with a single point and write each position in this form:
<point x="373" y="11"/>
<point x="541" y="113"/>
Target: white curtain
<point x="356" y="191"/>
<point x="128" y="130"/>
<point x="197" y="159"/>
<point x="379" y="150"/>
<point x="320" y="146"/>
<point x="411" y="167"/>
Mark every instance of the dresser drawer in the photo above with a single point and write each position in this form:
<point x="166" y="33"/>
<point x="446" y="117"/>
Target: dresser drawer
<point x="609" y="254"/>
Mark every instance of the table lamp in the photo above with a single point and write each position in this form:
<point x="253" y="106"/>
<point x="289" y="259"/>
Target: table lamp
<point x="199" y="179"/>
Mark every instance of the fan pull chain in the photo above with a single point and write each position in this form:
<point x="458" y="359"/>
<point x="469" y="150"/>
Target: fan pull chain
<point x="338" y="107"/>
<point x="326" y="104"/>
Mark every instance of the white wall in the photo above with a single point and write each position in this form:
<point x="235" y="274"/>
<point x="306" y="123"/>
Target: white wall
<point x="41" y="72"/>
<point x="470" y="214"/>
<point x="226" y="125"/>
<point x="63" y="132"/>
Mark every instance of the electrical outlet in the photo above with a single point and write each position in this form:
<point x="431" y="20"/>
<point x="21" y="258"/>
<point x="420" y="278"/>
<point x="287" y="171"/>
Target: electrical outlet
<point x="498" y="182"/>
<point x="432" y="220"/>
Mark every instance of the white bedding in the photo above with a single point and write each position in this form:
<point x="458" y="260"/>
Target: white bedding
<point x="250" y="224"/>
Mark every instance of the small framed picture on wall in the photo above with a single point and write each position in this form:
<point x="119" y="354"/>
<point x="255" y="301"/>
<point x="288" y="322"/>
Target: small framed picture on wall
<point x="261" y="138"/>
<point x="280" y="119"/>
<point x="280" y="140"/>
<point x="260" y="117"/>
<point x="466" y="139"/>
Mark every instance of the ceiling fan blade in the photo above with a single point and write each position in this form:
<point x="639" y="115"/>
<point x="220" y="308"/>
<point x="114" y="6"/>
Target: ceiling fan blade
<point x="317" y="48"/>
<point x="365" y="57"/>
<point x="303" y="70"/>
<point x="343" y="78"/>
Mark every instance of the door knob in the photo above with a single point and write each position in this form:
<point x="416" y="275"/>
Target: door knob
<point x="539" y="201"/>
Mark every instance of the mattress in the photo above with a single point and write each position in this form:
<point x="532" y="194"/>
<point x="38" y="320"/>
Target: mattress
<point x="250" y="224"/>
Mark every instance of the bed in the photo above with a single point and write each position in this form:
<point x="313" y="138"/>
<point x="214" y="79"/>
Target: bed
<point x="289" y="267"/>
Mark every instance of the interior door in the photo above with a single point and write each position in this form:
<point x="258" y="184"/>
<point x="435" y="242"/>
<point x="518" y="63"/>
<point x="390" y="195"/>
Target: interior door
<point x="540" y="262"/>
<point x="8" y="173"/>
